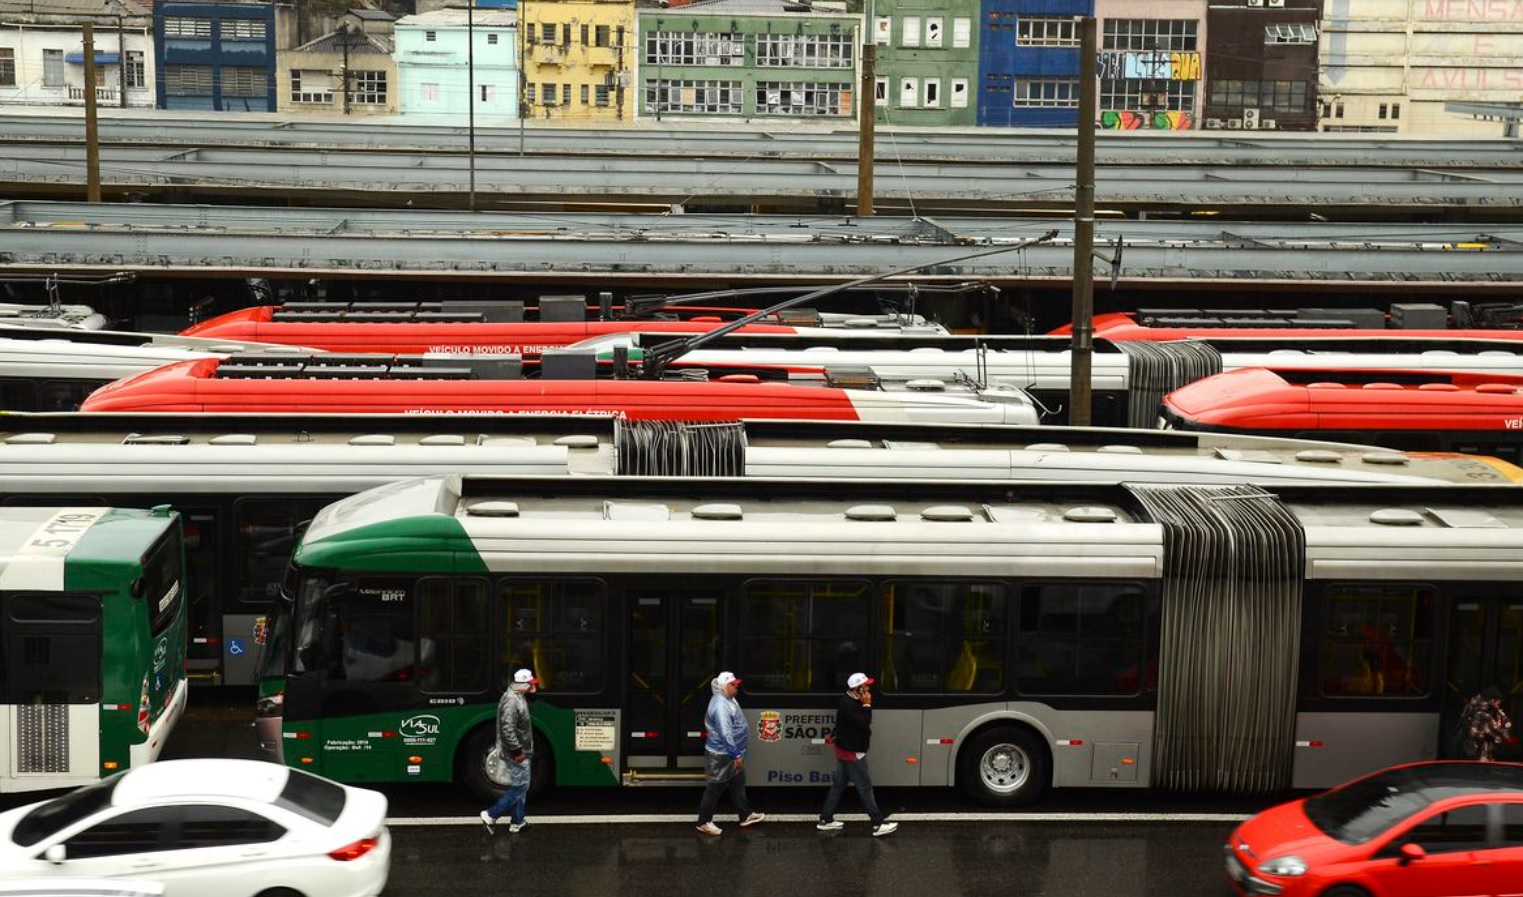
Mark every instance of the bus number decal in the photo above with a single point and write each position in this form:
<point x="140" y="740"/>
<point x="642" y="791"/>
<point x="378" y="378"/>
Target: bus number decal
<point x="62" y="531"/>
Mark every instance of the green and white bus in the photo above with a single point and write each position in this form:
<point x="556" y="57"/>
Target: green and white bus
<point x="92" y="642"/>
<point x="1023" y="636"/>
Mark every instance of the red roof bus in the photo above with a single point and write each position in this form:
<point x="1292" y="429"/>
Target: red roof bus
<point x="428" y="327"/>
<point x="1129" y="326"/>
<point x="1474" y="413"/>
<point x="384" y="384"/>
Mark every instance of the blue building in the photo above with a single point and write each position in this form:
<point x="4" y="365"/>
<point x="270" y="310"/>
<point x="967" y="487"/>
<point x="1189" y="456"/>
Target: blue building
<point x="217" y="56"/>
<point x="1028" y="63"/>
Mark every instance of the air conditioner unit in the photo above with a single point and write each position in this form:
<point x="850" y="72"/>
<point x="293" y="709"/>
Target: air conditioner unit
<point x="1250" y="119"/>
<point x="1234" y="124"/>
<point x="1213" y="124"/>
<point x="1268" y="124"/>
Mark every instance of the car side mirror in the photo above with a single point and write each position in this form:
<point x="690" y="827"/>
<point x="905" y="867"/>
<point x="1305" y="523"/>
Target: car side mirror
<point x="56" y="854"/>
<point x="1412" y="852"/>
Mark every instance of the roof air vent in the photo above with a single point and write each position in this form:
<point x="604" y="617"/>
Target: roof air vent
<point x="947" y="513"/>
<point x="871" y="512"/>
<point x="1393" y="458"/>
<point x="374" y="439"/>
<point x="234" y="439"/>
<point x="1090" y="515"/>
<point x="31" y="439"/>
<point x="1396" y="517"/>
<point x="1319" y="456"/>
<point x="492" y="508"/>
<point x="718" y="511"/>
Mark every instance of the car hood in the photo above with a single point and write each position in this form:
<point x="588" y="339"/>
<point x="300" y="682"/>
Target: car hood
<point x="1286" y="831"/>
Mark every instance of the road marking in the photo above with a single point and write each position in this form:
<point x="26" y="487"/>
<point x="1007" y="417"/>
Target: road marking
<point x="676" y="818"/>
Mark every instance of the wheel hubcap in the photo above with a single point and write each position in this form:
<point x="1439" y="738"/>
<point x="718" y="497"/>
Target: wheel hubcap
<point x="1004" y="768"/>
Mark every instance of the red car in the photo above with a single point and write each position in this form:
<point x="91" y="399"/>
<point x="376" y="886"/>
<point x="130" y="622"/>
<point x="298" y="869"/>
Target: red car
<point x="1442" y="829"/>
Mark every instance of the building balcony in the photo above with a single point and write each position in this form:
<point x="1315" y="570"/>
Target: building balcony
<point x="548" y="54"/>
<point x="102" y="94"/>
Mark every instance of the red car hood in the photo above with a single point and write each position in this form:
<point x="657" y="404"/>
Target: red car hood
<point x="1285" y="831"/>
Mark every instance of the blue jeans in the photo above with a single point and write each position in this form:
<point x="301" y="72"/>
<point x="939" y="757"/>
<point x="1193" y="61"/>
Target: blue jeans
<point x="856" y="771"/>
<point x="516" y="797"/>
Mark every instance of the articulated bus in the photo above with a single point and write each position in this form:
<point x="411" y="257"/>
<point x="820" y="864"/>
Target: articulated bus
<point x="92" y="642"/>
<point x="412" y="384"/>
<point x="1438" y="411"/>
<point x="1128" y="378"/>
<point x="1023" y="637"/>
<point x="245" y="484"/>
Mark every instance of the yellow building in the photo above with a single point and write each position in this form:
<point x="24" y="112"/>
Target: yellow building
<point x="576" y="56"/>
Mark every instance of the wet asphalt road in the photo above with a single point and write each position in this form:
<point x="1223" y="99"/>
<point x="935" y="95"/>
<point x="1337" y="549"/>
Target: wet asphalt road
<point x="641" y="843"/>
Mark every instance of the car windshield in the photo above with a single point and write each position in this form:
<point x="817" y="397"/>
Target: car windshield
<point x="1362" y="809"/>
<point x="316" y="798"/>
<point x="56" y="815"/>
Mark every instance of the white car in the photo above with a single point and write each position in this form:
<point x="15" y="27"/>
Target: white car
<point x="233" y="828"/>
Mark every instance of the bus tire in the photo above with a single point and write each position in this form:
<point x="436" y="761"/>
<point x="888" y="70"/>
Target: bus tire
<point x="1004" y="767"/>
<point x="279" y="892"/>
<point x="470" y="766"/>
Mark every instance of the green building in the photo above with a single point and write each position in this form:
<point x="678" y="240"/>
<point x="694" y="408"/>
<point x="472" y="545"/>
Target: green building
<point x="926" y="66"/>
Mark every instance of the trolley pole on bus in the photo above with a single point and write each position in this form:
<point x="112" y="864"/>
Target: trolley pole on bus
<point x="1081" y="386"/>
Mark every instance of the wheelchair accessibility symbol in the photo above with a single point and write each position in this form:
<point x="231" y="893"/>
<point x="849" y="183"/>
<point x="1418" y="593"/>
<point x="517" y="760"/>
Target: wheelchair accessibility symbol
<point x="235" y="646"/>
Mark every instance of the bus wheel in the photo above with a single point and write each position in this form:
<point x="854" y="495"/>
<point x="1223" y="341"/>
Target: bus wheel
<point x="1003" y="767"/>
<point x="280" y="892"/>
<point x="471" y="765"/>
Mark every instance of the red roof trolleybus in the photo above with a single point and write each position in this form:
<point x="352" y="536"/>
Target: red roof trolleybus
<point x="1474" y="413"/>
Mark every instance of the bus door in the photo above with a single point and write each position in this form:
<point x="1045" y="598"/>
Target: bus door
<point x="1485" y="649"/>
<point x="673" y="655"/>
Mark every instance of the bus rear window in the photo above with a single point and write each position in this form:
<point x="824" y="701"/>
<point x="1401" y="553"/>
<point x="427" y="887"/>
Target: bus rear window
<point x="316" y="798"/>
<point x="161" y="581"/>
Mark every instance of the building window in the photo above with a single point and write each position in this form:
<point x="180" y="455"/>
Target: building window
<point x="602" y="94"/>
<point x="491" y="38"/>
<point x="909" y="93"/>
<point x="959" y="93"/>
<point x="565" y="94"/>
<point x="933" y="32"/>
<point x="910" y="36"/>
<point x="883" y="30"/>
<point x="602" y="36"/>
<point x="187" y="80"/>
<point x="368" y="88"/>
<point x="244" y="81"/>
<point x="181" y="26"/>
<point x="243" y="29"/>
<point x="1278" y="96"/>
<point x="547" y="93"/>
<point x="1384" y="111"/>
<point x="7" y="67"/>
<point x="547" y="33"/>
<point x="136" y="69"/>
<point x="52" y="68"/>
<point x="487" y="92"/>
<point x="831" y="51"/>
<point x="962" y="34"/>
<point x="1290" y="33"/>
<point x="880" y="90"/>
<point x="1047" y="31"/>
<point x="799" y="98"/>
<point x="428" y="92"/>
<point x="932" y="93"/>
<point x="1147" y="95"/>
<point x="1149" y="34"/>
<point x="430" y="36"/>
<point x="678" y="48"/>
<point x="1395" y="111"/>
<point x="311" y="87"/>
<point x="713" y="97"/>
<point x="1061" y="93"/>
<point x="586" y="94"/>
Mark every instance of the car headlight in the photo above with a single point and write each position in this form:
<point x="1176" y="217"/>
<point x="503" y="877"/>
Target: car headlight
<point x="1287" y="866"/>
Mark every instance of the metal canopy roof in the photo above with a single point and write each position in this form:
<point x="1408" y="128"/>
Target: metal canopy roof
<point x="228" y="241"/>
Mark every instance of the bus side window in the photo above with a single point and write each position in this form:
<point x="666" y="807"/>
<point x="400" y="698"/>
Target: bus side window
<point x="1377" y="640"/>
<point x="453" y="634"/>
<point x="267" y="529"/>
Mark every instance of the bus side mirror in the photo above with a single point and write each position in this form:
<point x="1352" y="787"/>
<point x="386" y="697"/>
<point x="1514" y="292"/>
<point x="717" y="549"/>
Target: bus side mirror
<point x="1411" y="853"/>
<point x="56" y="854"/>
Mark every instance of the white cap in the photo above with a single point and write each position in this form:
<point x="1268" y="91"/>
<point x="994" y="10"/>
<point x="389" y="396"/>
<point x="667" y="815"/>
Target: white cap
<point x="524" y="677"/>
<point x="857" y="680"/>
<point x="726" y="678"/>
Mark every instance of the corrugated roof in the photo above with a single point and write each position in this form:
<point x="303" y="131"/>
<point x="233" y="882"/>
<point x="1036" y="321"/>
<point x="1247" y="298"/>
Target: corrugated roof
<point x="491" y="18"/>
<point x="362" y="43"/>
<point x="73" y="8"/>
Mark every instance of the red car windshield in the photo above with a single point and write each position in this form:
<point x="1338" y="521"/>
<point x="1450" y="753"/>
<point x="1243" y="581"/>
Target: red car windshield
<point x="1365" y="808"/>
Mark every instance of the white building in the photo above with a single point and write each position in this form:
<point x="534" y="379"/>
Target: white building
<point x="447" y="56"/>
<point x="42" y="60"/>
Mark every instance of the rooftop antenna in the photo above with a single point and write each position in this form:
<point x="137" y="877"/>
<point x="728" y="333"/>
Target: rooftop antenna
<point x="658" y="357"/>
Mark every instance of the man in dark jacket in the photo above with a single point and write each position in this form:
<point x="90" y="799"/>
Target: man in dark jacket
<point x="854" y="732"/>
<point x="515" y="745"/>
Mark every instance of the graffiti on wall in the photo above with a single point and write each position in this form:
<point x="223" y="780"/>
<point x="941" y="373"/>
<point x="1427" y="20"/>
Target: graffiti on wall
<point x="1161" y="64"/>
<point x="1137" y="120"/>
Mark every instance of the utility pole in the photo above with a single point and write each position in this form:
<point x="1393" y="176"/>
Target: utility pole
<point x="869" y="94"/>
<point x="121" y="61"/>
<point x="92" y="132"/>
<point x="343" y="39"/>
<point x="1081" y="385"/>
<point x="470" y="83"/>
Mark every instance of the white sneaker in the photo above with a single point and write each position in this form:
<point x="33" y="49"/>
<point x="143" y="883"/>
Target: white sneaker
<point x="885" y="828"/>
<point x="833" y="825"/>
<point x="487" y="820"/>
<point x="709" y="828"/>
<point x="516" y="827"/>
<point x="753" y="819"/>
